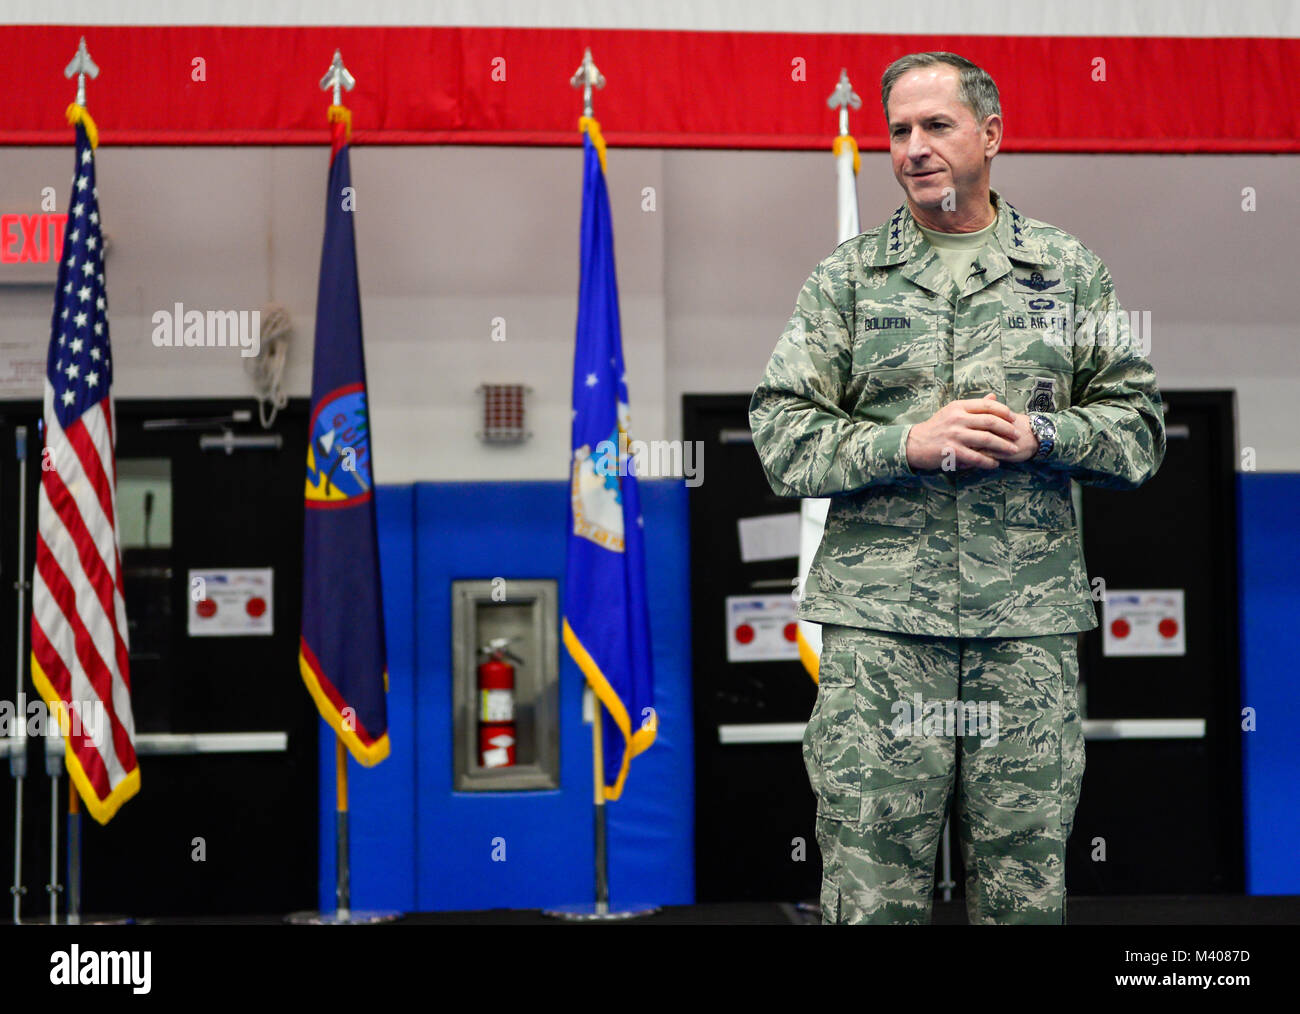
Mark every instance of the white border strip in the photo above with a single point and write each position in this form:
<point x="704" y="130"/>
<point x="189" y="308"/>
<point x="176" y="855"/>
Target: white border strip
<point x="211" y="742"/>
<point x="1093" y="728"/>
<point x="1218" y="19"/>
<point x="1144" y="728"/>
<point x="159" y="743"/>
<point x="767" y="732"/>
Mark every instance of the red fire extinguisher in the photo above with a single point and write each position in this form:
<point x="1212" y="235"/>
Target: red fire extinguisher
<point x="496" y="714"/>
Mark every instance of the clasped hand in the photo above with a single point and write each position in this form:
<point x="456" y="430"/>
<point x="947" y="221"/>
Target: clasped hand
<point x="973" y="433"/>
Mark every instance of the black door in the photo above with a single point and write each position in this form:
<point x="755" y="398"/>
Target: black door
<point x="226" y="818"/>
<point x="754" y="809"/>
<point x="1164" y="807"/>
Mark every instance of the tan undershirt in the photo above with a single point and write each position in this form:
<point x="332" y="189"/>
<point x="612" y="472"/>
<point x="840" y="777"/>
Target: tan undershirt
<point x="958" y="250"/>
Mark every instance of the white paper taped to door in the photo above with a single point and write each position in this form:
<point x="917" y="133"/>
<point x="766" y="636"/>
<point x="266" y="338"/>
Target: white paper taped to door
<point x="768" y="537"/>
<point x="230" y="603"/>
<point x="1150" y="622"/>
<point x="761" y="628"/>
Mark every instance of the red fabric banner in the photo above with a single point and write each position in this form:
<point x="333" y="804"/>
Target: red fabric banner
<point x="181" y="85"/>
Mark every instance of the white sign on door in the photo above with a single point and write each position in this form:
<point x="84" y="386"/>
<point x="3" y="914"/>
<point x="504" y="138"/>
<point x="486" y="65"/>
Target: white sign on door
<point x="761" y="628"/>
<point x="230" y="603"/>
<point x="1143" y="623"/>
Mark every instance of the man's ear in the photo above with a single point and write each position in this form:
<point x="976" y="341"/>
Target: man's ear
<point x="992" y="135"/>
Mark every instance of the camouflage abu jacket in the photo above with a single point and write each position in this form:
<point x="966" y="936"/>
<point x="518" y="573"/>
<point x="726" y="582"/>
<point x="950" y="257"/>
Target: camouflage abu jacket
<point x="880" y="339"/>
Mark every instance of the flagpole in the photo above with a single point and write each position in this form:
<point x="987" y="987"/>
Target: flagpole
<point x="18" y="751"/>
<point x="54" y="768"/>
<point x="812" y="510"/>
<point x="336" y="80"/>
<point x="343" y="878"/>
<point x="599" y="911"/>
<point x="587" y="77"/>
<point x="598" y="774"/>
<point x="74" y="855"/>
<point x="61" y="740"/>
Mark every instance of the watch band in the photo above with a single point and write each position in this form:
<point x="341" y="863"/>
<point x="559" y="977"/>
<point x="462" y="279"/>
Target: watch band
<point x="1045" y="430"/>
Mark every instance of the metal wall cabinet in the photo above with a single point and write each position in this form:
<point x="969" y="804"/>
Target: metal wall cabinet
<point x="526" y="612"/>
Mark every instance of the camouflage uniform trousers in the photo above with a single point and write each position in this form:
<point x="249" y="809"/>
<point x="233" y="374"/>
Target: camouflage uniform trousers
<point x="883" y="755"/>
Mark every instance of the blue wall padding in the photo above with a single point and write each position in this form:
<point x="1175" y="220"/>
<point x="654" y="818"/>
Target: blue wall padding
<point x="416" y="844"/>
<point x="1270" y="618"/>
<point x="381" y="799"/>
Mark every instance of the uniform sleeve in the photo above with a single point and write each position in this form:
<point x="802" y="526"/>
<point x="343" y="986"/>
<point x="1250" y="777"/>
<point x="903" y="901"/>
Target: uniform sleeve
<point x="1113" y="435"/>
<point x="808" y="444"/>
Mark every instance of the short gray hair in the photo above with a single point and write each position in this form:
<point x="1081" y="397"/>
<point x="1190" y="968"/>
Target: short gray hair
<point x="975" y="87"/>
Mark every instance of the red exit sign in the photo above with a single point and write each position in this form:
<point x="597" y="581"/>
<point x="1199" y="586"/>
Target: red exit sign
<point x="31" y="239"/>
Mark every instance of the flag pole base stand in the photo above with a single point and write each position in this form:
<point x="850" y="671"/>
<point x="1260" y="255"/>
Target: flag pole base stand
<point x="352" y="918"/>
<point x="591" y="912"/>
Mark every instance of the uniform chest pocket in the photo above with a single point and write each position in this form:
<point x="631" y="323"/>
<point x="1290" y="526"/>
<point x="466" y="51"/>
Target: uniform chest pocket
<point x="894" y="373"/>
<point x="1046" y="556"/>
<point x="894" y="343"/>
<point x="1039" y="506"/>
<point x="1037" y="389"/>
<point x="1036" y="331"/>
<point x="870" y="543"/>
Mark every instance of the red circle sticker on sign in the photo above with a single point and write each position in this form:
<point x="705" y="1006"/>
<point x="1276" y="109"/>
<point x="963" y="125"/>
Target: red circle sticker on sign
<point x="1120" y="628"/>
<point x="744" y="633"/>
<point x="255" y="606"/>
<point x="1168" y="627"/>
<point x="206" y="608"/>
<point x="791" y="631"/>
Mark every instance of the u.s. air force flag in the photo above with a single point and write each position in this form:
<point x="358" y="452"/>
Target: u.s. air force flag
<point x="341" y="654"/>
<point x="606" y="615"/>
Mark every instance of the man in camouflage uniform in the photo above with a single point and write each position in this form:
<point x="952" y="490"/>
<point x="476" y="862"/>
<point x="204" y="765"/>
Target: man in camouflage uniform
<point x="943" y="379"/>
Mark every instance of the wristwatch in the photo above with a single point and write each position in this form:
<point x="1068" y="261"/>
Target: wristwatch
<point x="1045" y="430"/>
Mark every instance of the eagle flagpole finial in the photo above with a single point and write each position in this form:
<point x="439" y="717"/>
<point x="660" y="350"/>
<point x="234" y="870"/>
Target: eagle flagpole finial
<point x="587" y="75"/>
<point x="843" y="98"/>
<point x="81" y="65"/>
<point x="338" y="78"/>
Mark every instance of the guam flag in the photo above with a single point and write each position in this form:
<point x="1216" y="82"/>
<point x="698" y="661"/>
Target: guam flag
<point x="342" y="650"/>
<point x="606" y="615"/>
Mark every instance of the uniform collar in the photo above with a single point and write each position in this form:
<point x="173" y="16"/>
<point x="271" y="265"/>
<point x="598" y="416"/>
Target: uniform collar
<point x="902" y="240"/>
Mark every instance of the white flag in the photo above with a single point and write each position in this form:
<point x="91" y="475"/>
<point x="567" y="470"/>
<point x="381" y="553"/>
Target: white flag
<point x="813" y="511"/>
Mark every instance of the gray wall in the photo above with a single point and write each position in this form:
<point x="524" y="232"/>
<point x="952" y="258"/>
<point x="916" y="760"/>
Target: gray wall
<point x="450" y="238"/>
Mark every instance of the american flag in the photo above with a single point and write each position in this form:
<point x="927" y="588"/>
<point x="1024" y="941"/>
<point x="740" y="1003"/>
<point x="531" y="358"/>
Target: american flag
<point x="79" y="633"/>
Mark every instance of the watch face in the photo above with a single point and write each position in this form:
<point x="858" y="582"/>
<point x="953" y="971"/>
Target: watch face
<point x="1045" y="431"/>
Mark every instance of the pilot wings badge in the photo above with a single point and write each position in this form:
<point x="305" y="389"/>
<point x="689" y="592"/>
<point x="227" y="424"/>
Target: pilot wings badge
<point x="1037" y="282"/>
